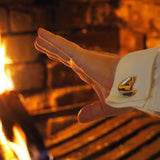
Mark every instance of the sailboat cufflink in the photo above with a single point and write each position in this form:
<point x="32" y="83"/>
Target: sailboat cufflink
<point x="134" y="79"/>
<point x="126" y="86"/>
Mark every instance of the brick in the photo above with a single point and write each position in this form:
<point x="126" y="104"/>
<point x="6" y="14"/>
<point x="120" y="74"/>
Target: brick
<point x="53" y="98"/>
<point x="76" y="97"/>
<point x="142" y="16"/>
<point x="103" y="14"/>
<point x="130" y="41"/>
<point x="61" y="76"/>
<point x="36" y="101"/>
<point x="156" y="18"/>
<point x="20" y="48"/>
<point x="56" y="124"/>
<point x="27" y="76"/>
<point x="20" y="21"/>
<point x="144" y="1"/>
<point x="152" y="42"/>
<point x="106" y="39"/>
<point x="53" y="125"/>
<point x="17" y="1"/>
<point x="88" y="0"/>
<point x="3" y="20"/>
<point x="71" y="95"/>
<point x="136" y="15"/>
<point x="42" y="128"/>
<point x="43" y="17"/>
<point x="79" y="14"/>
<point x="70" y="15"/>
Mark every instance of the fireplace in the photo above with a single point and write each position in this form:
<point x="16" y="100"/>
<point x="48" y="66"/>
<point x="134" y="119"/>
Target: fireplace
<point x="53" y="94"/>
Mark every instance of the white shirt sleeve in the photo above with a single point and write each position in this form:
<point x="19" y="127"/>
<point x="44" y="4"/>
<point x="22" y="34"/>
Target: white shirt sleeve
<point x="144" y="65"/>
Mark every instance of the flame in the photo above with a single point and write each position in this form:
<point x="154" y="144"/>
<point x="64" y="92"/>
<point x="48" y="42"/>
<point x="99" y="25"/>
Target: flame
<point x="5" y="82"/>
<point x="19" y="145"/>
<point x="16" y="150"/>
<point x="6" y="150"/>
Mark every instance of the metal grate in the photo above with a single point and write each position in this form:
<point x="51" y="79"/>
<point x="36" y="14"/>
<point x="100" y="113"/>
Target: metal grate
<point x="133" y="136"/>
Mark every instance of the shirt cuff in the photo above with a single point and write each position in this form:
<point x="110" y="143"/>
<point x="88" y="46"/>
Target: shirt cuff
<point x="144" y="65"/>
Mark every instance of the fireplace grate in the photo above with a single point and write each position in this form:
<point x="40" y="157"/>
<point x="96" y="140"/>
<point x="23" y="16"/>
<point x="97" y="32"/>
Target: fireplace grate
<point x="131" y="136"/>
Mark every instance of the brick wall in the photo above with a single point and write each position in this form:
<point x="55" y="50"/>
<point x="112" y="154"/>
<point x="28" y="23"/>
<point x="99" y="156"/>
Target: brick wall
<point x="43" y="83"/>
<point x="118" y="26"/>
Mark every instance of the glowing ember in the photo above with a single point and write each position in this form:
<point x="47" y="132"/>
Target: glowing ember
<point x="5" y="82"/>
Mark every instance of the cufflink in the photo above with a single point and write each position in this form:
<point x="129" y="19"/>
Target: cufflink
<point x="126" y="86"/>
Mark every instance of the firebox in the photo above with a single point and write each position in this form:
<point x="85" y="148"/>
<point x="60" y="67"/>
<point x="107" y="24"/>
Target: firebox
<point x="41" y="108"/>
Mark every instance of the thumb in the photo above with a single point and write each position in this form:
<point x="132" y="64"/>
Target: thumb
<point x="91" y="112"/>
<point x="96" y="110"/>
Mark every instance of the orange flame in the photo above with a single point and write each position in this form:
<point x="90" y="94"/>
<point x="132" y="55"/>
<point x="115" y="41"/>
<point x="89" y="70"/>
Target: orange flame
<point x="5" y="82"/>
<point x="19" y="144"/>
<point x="16" y="150"/>
<point x="7" y="152"/>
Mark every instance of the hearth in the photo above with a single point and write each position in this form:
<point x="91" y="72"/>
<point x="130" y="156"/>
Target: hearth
<point x="52" y="94"/>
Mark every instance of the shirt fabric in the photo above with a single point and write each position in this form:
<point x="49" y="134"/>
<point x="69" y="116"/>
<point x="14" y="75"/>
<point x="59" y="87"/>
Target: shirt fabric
<point x="144" y="65"/>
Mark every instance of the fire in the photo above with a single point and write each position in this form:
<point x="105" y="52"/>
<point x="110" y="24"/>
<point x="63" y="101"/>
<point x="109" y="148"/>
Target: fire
<point x="5" y="82"/>
<point x="17" y="149"/>
<point x="6" y="150"/>
<point x="19" y="144"/>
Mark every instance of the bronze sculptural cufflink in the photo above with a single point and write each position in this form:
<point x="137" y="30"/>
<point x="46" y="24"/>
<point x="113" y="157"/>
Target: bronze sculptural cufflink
<point x="126" y="86"/>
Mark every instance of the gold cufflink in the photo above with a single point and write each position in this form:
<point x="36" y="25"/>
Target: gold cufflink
<point x="125" y="87"/>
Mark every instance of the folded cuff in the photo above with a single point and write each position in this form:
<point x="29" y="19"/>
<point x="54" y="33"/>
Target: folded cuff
<point x="142" y="65"/>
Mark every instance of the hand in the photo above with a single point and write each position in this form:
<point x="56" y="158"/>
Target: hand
<point x="95" y="68"/>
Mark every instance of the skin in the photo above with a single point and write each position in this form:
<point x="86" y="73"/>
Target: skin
<point x="95" y="68"/>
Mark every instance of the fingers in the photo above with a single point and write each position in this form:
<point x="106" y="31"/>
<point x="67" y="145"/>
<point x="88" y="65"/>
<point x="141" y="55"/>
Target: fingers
<point x="44" y="51"/>
<point x="97" y="110"/>
<point x="59" y="42"/>
<point x="50" y="54"/>
<point x="98" y="67"/>
<point x="91" y="112"/>
<point x="50" y="49"/>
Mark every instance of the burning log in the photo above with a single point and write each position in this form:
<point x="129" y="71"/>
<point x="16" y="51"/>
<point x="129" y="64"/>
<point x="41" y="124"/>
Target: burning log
<point x="13" y="113"/>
